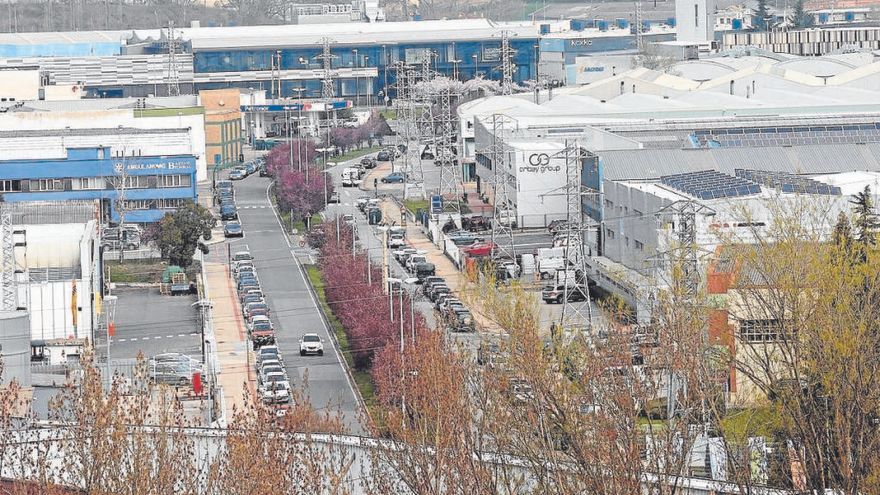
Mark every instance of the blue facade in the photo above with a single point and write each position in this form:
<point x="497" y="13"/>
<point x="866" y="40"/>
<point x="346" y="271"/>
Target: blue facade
<point x="572" y="47"/>
<point x="472" y="57"/>
<point x="154" y="185"/>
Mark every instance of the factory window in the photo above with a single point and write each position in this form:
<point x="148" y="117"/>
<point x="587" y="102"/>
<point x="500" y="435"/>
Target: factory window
<point x="86" y="183"/>
<point x="8" y="185"/>
<point x="609" y="203"/>
<point x="609" y="234"/>
<point x="137" y="204"/>
<point x="760" y="330"/>
<point x="170" y="203"/>
<point x="47" y="185"/>
<point x="174" y="181"/>
<point x="626" y="240"/>
<point x="639" y="245"/>
<point x="136" y="182"/>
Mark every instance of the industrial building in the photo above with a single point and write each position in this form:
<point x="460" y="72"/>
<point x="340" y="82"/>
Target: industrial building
<point x="719" y="122"/>
<point x="362" y="57"/>
<point x="57" y="277"/>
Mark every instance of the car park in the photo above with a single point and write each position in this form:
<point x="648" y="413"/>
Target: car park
<point x="394" y="178"/>
<point x="311" y="343"/>
<point x="233" y="229"/>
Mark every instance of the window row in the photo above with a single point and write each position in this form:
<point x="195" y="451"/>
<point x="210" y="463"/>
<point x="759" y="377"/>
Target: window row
<point x="95" y="183"/>
<point x="154" y="204"/>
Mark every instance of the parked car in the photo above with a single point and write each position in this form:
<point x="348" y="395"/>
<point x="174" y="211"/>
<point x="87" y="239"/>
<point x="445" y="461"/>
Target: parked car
<point x="266" y="370"/>
<point x="266" y="352"/>
<point x="556" y="293"/>
<point x="261" y="331"/>
<point x="383" y="156"/>
<point x="311" y="343"/>
<point x="413" y="260"/>
<point x="251" y="298"/>
<point x="225" y="185"/>
<point x="423" y="271"/>
<point x="233" y="229"/>
<point x="479" y="248"/>
<point x="241" y="256"/>
<point x="461" y="320"/>
<point x="394" y="178"/>
<point x="401" y="254"/>
<point x="396" y="241"/>
<point x="250" y="308"/>
<point x="264" y="170"/>
<point x="228" y="212"/>
<point x="333" y="197"/>
<point x="171" y="373"/>
<point x="250" y="167"/>
<point x="251" y="292"/>
<point x="476" y="223"/>
<point x="237" y="174"/>
<point x="437" y="292"/>
<point x="276" y="388"/>
<point x="430" y="281"/>
<point x="557" y="226"/>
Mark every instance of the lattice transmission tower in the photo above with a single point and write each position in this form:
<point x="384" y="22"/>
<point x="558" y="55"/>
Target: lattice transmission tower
<point x="172" y="45"/>
<point x="503" y="215"/>
<point x="408" y="121"/>
<point x="328" y="90"/>
<point x="686" y="253"/>
<point x="507" y="65"/>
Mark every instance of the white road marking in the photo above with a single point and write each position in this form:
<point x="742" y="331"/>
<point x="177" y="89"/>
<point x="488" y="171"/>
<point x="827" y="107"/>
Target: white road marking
<point x="134" y="339"/>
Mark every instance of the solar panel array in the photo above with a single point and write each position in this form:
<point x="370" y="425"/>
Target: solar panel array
<point x="711" y="184"/>
<point x="787" y="182"/>
<point x="788" y="136"/>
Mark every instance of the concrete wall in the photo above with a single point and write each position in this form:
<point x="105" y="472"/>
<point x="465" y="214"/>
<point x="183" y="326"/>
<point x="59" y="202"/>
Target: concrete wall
<point x="15" y="347"/>
<point x="630" y="228"/>
<point x="695" y="20"/>
<point x="19" y="85"/>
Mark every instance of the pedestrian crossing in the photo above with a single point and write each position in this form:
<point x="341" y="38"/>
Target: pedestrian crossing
<point x="254" y="207"/>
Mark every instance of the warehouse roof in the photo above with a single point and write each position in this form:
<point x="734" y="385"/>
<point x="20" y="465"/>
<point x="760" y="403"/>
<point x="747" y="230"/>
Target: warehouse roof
<point x="651" y="164"/>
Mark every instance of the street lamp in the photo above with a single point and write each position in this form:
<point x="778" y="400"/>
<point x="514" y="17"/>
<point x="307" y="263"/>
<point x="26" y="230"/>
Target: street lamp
<point x="474" y="56"/>
<point x="412" y="311"/>
<point x="370" y="89"/>
<point x="299" y="157"/>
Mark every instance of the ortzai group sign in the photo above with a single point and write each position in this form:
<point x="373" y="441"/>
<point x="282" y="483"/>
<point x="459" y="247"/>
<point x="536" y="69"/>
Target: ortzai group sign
<point x="540" y="175"/>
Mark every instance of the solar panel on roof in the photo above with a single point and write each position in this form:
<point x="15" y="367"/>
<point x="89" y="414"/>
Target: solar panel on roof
<point x="710" y="184"/>
<point x="786" y="182"/>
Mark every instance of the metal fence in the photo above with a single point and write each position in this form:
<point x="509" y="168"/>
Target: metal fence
<point x="134" y="254"/>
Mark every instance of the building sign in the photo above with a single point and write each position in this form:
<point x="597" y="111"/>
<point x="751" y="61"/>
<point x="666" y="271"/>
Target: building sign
<point x="539" y="163"/>
<point x="593" y="69"/>
<point x="580" y="42"/>
<point x="169" y="165"/>
<point x="491" y="54"/>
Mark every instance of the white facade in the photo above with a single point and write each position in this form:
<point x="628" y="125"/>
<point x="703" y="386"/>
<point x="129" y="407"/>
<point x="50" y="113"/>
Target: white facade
<point x="695" y="21"/>
<point x="56" y="257"/>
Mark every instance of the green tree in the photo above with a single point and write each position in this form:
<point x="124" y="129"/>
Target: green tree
<point x="179" y="234"/>
<point x="843" y="235"/>
<point x="866" y="222"/>
<point x="801" y="18"/>
<point x="761" y="16"/>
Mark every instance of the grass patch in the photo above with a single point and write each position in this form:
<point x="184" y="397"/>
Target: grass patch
<point x="414" y="205"/>
<point x="352" y="154"/>
<point x="144" y="271"/>
<point x="388" y="113"/>
<point x="362" y="379"/>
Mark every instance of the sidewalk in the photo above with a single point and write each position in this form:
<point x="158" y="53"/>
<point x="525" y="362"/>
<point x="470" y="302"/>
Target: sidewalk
<point x="234" y="370"/>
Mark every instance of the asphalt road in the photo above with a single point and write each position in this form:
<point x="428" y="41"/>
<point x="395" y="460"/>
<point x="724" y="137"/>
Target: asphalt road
<point x="294" y="309"/>
<point x="150" y="323"/>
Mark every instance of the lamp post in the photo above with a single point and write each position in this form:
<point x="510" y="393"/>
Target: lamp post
<point x="299" y="157"/>
<point x="474" y="56"/>
<point x="370" y="89"/>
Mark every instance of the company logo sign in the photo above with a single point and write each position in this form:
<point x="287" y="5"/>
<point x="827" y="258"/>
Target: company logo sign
<point x="539" y="163"/>
<point x="537" y="159"/>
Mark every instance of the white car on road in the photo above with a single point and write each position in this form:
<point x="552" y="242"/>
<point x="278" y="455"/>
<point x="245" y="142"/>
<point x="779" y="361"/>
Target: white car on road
<point x="311" y="343"/>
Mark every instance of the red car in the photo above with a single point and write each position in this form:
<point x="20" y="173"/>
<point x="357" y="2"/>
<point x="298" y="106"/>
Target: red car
<point x="479" y="249"/>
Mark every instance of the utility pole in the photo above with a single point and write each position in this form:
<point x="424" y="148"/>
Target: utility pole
<point x="173" y="46"/>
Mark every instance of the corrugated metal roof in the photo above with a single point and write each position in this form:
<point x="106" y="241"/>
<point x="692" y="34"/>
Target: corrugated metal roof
<point x="647" y="164"/>
<point x="51" y="212"/>
<point x="111" y="131"/>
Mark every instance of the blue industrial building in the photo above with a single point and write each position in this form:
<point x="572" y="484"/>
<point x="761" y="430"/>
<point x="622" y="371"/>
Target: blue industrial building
<point x="259" y="57"/>
<point x="151" y="185"/>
